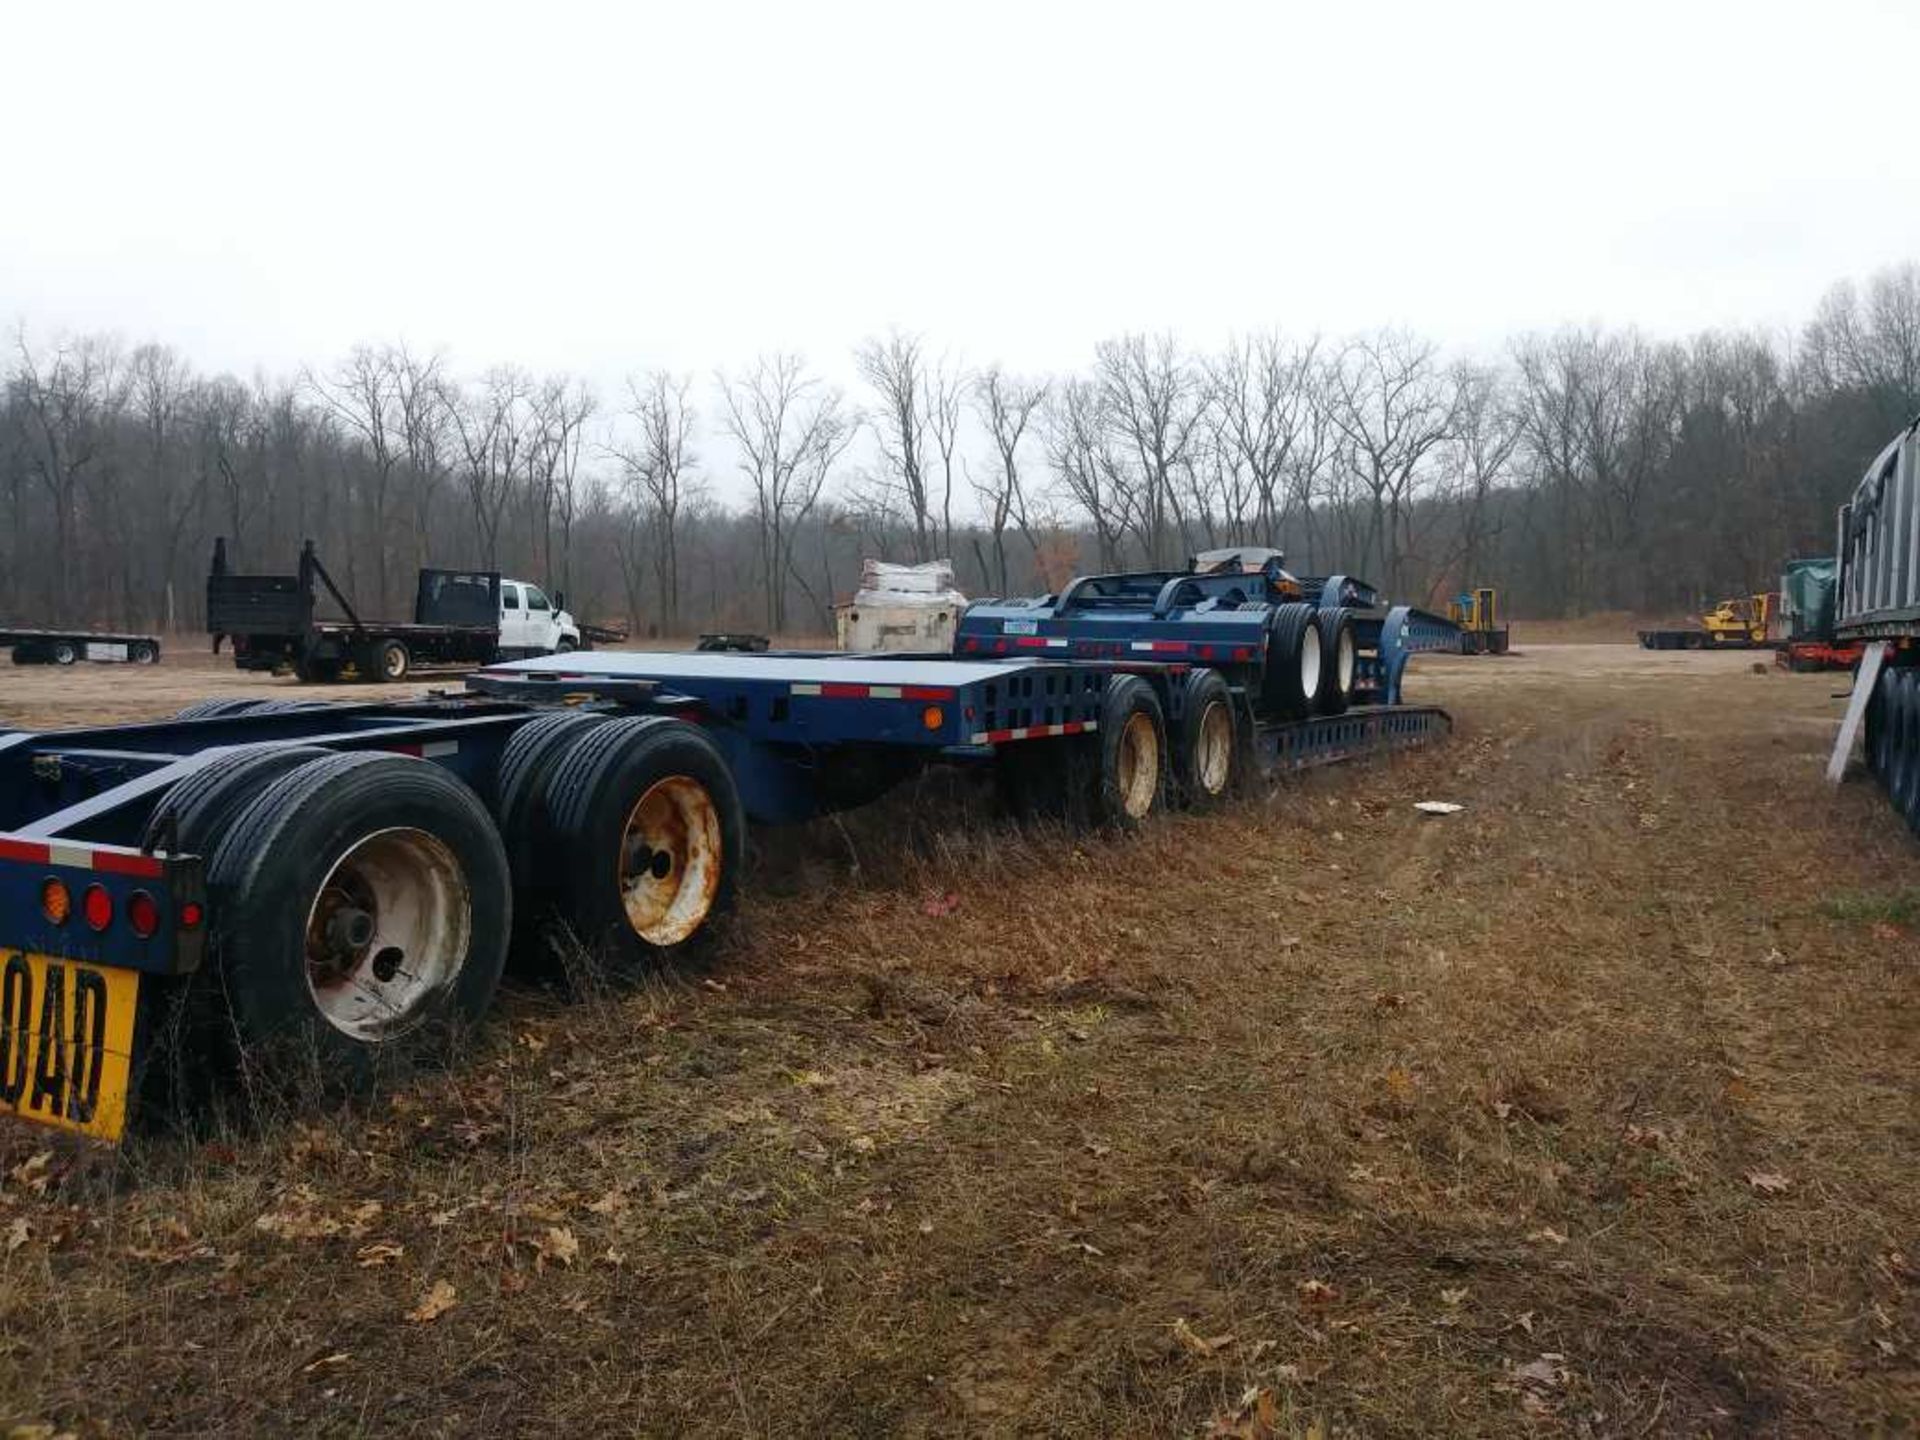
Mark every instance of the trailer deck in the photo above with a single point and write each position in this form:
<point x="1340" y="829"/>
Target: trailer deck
<point x="67" y="647"/>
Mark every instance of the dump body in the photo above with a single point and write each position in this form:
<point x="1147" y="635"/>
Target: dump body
<point x="1877" y="608"/>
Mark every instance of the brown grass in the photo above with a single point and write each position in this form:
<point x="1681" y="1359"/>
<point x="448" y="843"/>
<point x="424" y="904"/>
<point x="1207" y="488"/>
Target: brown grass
<point x="1314" y="1112"/>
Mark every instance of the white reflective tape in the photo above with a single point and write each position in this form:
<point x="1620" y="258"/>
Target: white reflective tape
<point x="883" y="692"/>
<point x="440" y="747"/>
<point x="804" y="688"/>
<point x="77" y="856"/>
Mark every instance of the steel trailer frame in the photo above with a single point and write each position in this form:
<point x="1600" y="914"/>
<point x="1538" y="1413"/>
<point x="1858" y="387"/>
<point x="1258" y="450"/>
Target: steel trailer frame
<point x="802" y="734"/>
<point x="42" y="647"/>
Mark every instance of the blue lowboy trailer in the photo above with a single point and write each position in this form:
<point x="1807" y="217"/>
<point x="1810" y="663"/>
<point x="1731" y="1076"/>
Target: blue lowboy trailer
<point x="301" y="888"/>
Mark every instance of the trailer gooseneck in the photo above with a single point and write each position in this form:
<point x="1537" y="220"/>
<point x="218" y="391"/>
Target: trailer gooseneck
<point x="333" y="882"/>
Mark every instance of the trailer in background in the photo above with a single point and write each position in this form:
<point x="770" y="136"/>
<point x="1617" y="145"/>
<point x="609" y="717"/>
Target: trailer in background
<point x="69" y="647"/>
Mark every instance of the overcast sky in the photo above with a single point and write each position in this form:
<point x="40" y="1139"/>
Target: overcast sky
<point x="597" y="188"/>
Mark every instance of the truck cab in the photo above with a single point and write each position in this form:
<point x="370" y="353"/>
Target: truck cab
<point x="533" y="624"/>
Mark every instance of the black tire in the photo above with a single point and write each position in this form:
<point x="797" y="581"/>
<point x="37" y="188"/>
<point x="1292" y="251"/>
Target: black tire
<point x="311" y="837"/>
<point x="213" y="709"/>
<point x="316" y="672"/>
<point x="21" y="656"/>
<point x="1122" y="794"/>
<point x="144" y="652"/>
<point x="618" y="787"/>
<point x="1207" y="754"/>
<point x="528" y="754"/>
<point x="195" y="813"/>
<point x="1875" y="742"/>
<point x="565" y="647"/>
<point x="1340" y="660"/>
<point x="1900" y="748"/>
<point x="283" y="707"/>
<point x="1905" y="791"/>
<point x="64" y="652"/>
<point x="1290" y="680"/>
<point x="388" y="662"/>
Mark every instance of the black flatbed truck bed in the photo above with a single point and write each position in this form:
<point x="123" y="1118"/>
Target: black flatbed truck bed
<point x="273" y="625"/>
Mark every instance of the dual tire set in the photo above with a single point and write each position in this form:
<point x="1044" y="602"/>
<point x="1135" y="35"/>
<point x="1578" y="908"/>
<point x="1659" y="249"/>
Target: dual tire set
<point x="362" y="905"/>
<point x="1310" y="663"/>
<point x="1139" y="761"/>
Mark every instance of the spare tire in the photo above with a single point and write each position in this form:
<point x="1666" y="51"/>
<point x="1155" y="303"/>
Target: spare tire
<point x="1341" y="654"/>
<point x="1290" y="680"/>
<point x="360" y="908"/>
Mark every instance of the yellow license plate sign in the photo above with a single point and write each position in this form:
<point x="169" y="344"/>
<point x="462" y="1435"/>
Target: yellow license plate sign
<point x="66" y="1042"/>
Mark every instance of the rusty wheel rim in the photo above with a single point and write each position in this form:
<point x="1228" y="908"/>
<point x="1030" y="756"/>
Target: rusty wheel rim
<point x="670" y="860"/>
<point x="1139" y="767"/>
<point x="1213" y="750"/>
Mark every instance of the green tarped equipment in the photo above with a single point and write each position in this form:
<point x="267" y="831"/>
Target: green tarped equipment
<point x="1806" y="598"/>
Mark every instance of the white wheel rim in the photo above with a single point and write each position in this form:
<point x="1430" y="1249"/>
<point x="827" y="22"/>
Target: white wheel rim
<point x="671" y="859"/>
<point x="1343" y="661"/>
<point x="388" y="933"/>
<point x="396" y="664"/>
<point x="1213" y="748"/>
<point x="1139" y="765"/>
<point x="1310" y="661"/>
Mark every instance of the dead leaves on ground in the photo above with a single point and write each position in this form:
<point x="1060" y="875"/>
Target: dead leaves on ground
<point x="438" y="1300"/>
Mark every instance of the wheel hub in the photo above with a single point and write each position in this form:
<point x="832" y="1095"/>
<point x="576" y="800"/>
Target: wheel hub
<point x="670" y="860"/>
<point x="387" y="933"/>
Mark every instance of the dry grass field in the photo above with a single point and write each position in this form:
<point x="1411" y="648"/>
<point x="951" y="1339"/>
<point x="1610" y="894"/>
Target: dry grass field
<point x="1587" y="1110"/>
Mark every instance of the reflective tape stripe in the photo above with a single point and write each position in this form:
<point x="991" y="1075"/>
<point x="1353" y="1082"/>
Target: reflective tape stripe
<point x="1034" y="732"/>
<point x="835" y="691"/>
<point x="80" y="857"/>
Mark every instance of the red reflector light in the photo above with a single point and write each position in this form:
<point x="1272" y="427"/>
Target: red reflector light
<point x="143" y="914"/>
<point x="191" y="915"/>
<point x="98" y="906"/>
<point x="55" y="903"/>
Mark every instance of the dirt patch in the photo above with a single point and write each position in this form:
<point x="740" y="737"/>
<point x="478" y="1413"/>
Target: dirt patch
<point x="1585" y="1110"/>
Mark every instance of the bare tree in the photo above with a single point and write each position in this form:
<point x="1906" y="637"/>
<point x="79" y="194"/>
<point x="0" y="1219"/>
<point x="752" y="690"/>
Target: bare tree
<point x="1262" y="410"/>
<point x="1006" y="407"/>
<point x="942" y="392"/>
<point x="1079" y="449"/>
<point x="896" y="370"/>
<point x="1153" y="400"/>
<point x="1392" y="405"/>
<point x="791" y="429"/>
<point x="491" y="422"/>
<point x="69" y="401"/>
<point x="660" y="468"/>
<point x="363" y="393"/>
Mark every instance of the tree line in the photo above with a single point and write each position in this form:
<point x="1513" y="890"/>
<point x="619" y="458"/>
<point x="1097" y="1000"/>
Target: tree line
<point x="1580" y="469"/>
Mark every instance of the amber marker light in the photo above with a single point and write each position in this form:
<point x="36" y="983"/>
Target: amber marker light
<point x="55" y="901"/>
